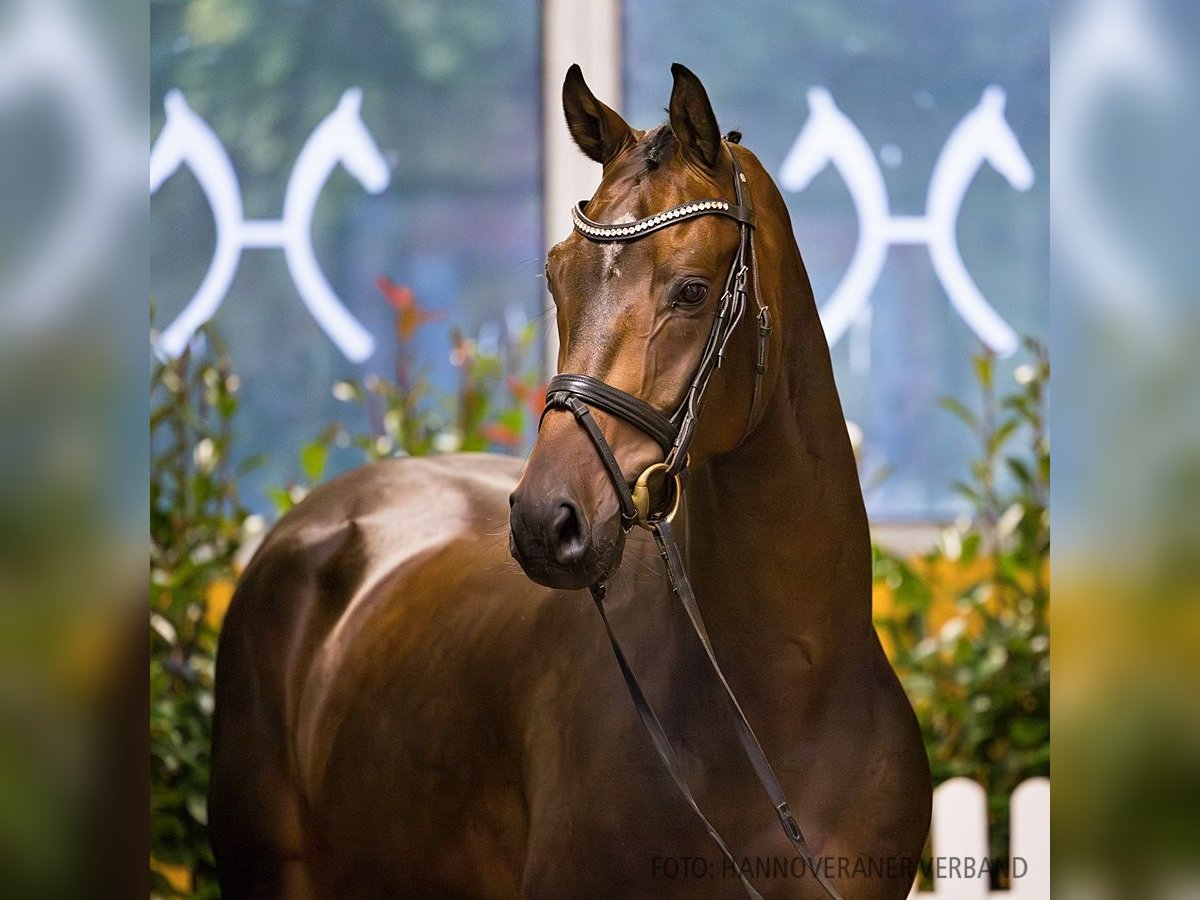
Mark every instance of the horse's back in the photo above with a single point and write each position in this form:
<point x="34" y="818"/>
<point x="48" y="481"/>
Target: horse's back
<point x="356" y="624"/>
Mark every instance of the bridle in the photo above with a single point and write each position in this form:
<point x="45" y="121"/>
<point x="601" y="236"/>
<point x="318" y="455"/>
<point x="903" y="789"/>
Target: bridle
<point x="673" y="433"/>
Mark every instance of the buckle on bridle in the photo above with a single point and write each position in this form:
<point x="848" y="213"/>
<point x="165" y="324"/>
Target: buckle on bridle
<point x="739" y="280"/>
<point x="764" y="332"/>
<point x="641" y="495"/>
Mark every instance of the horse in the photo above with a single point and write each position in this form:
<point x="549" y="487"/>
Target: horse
<point x="982" y="136"/>
<point x="403" y="711"/>
<point x="341" y="137"/>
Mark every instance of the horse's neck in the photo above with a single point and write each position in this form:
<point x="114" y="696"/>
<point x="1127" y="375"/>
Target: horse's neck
<point x="777" y="533"/>
<point x="778" y="543"/>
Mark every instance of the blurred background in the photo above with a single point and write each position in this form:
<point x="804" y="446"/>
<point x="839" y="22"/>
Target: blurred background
<point x="348" y="210"/>
<point x="452" y="97"/>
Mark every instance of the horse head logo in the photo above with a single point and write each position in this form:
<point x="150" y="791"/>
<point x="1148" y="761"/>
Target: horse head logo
<point x="983" y="135"/>
<point x="362" y="158"/>
<point x="47" y="49"/>
<point x="985" y="130"/>
<point x="1105" y="44"/>
<point x="341" y="137"/>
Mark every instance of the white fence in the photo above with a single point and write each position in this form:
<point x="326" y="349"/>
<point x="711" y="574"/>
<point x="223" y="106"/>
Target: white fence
<point x="960" y="843"/>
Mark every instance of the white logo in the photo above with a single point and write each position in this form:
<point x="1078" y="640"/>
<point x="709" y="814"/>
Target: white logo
<point x="982" y="136"/>
<point x="340" y="137"/>
<point x="47" y="48"/>
<point x="1106" y="44"/>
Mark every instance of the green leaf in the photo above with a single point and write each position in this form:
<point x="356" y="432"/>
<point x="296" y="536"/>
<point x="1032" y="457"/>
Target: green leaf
<point x="1020" y="471"/>
<point x="1029" y="732"/>
<point x="1000" y="436"/>
<point x="197" y="807"/>
<point x="955" y="406"/>
<point x="983" y="370"/>
<point x="968" y="492"/>
<point x="970" y="548"/>
<point x="312" y="460"/>
<point x="281" y="498"/>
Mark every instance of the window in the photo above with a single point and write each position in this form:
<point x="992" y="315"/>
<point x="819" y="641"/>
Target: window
<point x="454" y="99"/>
<point x="904" y="76"/>
<point x="450" y="99"/>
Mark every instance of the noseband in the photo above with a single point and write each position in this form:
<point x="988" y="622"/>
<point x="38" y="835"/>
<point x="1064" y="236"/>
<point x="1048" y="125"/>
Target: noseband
<point x="673" y="433"/>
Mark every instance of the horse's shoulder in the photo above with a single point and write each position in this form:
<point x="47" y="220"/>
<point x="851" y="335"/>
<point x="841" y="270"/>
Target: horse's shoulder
<point x="402" y="480"/>
<point x="358" y="527"/>
<point x="393" y="491"/>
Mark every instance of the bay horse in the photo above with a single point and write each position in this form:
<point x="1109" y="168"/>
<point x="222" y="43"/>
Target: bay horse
<point x="402" y="712"/>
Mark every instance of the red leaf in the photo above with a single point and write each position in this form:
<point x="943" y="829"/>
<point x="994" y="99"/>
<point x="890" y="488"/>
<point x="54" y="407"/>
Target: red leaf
<point x="500" y="434"/>
<point x="409" y="316"/>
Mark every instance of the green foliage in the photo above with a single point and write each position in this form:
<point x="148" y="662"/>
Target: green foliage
<point x="495" y="408"/>
<point x="968" y="627"/>
<point x="196" y="528"/>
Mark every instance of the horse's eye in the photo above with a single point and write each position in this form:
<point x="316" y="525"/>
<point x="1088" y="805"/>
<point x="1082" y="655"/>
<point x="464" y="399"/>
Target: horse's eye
<point x="692" y="293"/>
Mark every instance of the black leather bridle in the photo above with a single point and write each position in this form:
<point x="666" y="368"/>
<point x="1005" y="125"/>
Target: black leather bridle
<point x="673" y="433"/>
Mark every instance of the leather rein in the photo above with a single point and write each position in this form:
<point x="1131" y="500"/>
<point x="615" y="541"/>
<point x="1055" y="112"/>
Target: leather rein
<point x="673" y="433"/>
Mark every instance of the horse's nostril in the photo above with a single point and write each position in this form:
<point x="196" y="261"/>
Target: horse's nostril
<point x="512" y="499"/>
<point x="571" y="537"/>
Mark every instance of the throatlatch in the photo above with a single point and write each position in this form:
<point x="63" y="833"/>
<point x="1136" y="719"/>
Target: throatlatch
<point x="674" y="434"/>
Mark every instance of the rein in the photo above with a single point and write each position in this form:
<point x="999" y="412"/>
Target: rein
<point x="673" y="434"/>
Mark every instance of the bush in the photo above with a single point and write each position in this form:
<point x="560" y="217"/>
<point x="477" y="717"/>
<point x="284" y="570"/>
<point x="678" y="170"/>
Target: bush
<point x="196" y="529"/>
<point x="966" y="624"/>
<point x="496" y="405"/>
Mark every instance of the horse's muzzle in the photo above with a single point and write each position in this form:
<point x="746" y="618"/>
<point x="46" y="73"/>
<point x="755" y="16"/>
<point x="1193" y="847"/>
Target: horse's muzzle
<point x="555" y="539"/>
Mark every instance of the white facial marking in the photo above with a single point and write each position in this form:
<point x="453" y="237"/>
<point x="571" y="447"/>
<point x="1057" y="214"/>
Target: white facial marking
<point x="612" y="249"/>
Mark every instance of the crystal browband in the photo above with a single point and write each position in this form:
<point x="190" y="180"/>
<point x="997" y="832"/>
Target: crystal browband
<point x="630" y="230"/>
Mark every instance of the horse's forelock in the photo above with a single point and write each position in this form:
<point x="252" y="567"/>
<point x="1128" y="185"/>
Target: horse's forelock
<point x="658" y="144"/>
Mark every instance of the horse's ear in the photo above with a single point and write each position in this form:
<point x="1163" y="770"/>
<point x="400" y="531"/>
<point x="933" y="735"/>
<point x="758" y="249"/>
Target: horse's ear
<point x="599" y="131"/>
<point x="692" y="119"/>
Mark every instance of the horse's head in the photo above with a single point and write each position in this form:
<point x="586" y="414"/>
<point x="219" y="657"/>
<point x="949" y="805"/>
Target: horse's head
<point x="997" y="140"/>
<point x="356" y="148"/>
<point x="636" y="311"/>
